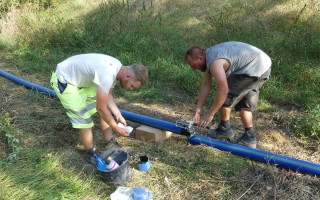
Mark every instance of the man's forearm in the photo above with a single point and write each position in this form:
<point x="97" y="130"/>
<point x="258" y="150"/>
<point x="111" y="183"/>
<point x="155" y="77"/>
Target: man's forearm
<point x="113" y="106"/>
<point x="106" y="115"/>
<point x="203" y="95"/>
<point x="218" y="102"/>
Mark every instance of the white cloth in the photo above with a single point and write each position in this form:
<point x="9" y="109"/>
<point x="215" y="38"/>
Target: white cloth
<point x="87" y="70"/>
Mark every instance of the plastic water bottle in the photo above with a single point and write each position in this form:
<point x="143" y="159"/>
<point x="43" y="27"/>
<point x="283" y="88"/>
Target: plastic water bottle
<point x="126" y="193"/>
<point x="100" y="162"/>
<point x="111" y="164"/>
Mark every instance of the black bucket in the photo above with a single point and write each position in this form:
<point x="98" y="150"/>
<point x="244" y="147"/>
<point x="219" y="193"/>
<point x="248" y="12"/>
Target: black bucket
<point x="120" y="175"/>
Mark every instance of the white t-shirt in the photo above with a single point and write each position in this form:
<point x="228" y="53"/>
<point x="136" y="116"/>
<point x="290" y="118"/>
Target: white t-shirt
<point x="87" y="70"/>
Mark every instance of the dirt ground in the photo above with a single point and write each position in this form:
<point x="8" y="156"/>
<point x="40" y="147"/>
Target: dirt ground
<point x="30" y="111"/>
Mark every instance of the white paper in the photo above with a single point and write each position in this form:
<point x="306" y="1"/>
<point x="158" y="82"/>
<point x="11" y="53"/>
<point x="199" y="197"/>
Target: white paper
<point x="121" y="125"/>
<point x="128" y="128"/>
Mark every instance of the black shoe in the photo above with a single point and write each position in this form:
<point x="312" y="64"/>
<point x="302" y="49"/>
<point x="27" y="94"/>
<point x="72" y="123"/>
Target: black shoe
<point x="89" y="156"/>
<point x="91" y="159"/>
<point x="248" y="139"/>
<point x="221" y="133"/>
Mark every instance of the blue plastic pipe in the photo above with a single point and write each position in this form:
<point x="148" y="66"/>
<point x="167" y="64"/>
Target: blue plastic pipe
<point x="259" y="155"/>
<point x="253" y="154"/>
<point x="28" y="84"/>
<point x="156" y="123"/>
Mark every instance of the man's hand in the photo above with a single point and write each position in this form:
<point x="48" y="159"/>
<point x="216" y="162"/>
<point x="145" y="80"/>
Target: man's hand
<point x="196" y="115"/>
<point x="122" y="131"/>
<point x="121" y="120"/>
<point x="205" y="121"/>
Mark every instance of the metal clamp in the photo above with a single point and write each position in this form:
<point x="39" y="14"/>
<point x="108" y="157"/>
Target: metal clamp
<point x="188" y="128"/>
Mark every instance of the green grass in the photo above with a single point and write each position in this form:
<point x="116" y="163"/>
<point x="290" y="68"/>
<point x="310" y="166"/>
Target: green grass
<point x="43" y="177"/>
<point x="37" y="34"/>
<point x="35" y="172"/>
<point x="158" y="35"/>
<point x="43" y="171"/>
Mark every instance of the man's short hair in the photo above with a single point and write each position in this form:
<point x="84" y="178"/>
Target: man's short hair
<point x="140" y="73"/>
<point x="193" y="52"/>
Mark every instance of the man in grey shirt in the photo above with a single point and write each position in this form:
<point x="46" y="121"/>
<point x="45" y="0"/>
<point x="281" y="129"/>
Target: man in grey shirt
<point x="239" y="71"/>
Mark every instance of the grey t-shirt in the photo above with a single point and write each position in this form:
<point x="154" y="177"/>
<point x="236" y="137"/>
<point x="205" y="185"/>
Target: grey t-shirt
<point x="244" y="59"/>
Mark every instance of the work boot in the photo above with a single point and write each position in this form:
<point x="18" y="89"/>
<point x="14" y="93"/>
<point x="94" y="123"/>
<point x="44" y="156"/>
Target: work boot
<point x="89" y="156"/>
<point x="248" y="139"/>
<point x="221" y="133"/>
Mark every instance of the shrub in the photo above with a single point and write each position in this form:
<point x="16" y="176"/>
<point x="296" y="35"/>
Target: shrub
<point x="309" y="125"/>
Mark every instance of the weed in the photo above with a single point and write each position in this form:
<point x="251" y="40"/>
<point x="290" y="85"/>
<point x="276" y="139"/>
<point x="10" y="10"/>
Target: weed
<point x="309" y="125"/>
<point x="14" y="146"/>
<point x="12" y="143"/>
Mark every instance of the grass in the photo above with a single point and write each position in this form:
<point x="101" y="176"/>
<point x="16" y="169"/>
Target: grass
<point x="49" y="167"/>
<point x="43" y="171"/>
<point x="37" y="34"/>
<point x="158" y="34"/>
